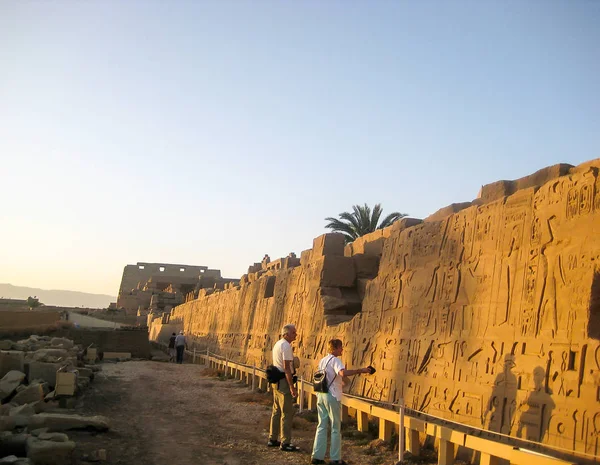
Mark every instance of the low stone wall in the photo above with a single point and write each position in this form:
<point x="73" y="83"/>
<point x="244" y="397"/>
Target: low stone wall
<point x="110" y="340"/>
<point x="27" y="319"/>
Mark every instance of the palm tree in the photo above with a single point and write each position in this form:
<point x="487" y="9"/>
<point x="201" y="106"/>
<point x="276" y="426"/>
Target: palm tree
<point x="361" y="221"/>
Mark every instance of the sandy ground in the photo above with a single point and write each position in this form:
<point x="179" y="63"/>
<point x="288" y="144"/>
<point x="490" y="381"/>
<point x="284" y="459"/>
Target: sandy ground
<point x="164" y="413"/>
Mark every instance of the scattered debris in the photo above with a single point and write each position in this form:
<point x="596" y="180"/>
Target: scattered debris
<point x="39" y="376"/>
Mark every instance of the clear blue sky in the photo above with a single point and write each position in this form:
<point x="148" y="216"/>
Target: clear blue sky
<point x="211" y="133"/>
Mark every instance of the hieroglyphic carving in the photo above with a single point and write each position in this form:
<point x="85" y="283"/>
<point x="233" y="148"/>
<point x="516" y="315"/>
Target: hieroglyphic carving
<point x="482" y="316"/>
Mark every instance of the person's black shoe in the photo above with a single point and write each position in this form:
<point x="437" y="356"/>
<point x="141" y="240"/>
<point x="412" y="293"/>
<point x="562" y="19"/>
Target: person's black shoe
<point x="273" y="443"/>
<point x="317" y="462"/>
<point x="289" y="448"/>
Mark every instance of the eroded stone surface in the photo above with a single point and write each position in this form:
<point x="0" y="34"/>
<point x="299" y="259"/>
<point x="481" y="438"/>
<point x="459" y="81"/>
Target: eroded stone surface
<point x="10" y="382"/>
<point x="42" y="452"/>
<point x="486" y="314"/>
<point x="63" y="422"/>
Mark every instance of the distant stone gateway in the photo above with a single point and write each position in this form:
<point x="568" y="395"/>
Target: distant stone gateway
<point x="486" y="313"/>
<point x="158" y="287"/>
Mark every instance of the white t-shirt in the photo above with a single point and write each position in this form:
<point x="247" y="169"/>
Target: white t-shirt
<point x="333" y="368"/>
<point x="282" y="350"/>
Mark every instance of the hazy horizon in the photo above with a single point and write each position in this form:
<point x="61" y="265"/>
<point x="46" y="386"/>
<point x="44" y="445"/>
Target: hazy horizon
<point x="56" y="297"/>
<point x="212" y="133"/>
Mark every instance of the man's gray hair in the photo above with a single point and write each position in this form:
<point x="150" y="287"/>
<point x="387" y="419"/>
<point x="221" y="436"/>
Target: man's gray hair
<point x="286" y="329"/>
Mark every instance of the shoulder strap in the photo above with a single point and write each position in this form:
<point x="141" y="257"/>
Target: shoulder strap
<point x="325" y="369"/>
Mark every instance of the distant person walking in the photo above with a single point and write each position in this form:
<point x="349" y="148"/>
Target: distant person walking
<point x="329" y="405"/>
<point x="172" y="350"/>
<point x="284" y="392"/>
<point x="180" y="346"/>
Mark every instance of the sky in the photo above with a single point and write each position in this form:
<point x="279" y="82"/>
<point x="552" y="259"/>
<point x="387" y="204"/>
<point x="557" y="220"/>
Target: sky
<point x="214" y="132"/>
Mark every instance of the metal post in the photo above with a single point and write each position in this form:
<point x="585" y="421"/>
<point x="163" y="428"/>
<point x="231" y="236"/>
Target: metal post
<point x="207" y="357"/>
<point x="253" y="377"/>
<point x="194" y="358"/>
<point x="401" y="430"/>
<point x="226" y="366"/>
<point x="301" y="394"/>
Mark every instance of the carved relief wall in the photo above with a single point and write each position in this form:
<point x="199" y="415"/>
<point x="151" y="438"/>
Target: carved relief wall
<point x="489" y="316"/>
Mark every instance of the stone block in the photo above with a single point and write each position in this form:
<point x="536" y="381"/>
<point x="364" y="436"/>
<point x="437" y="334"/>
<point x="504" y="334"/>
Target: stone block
<point x="305" y="257"/>
<point x="6" y="344"/>
<point x="374" y="247"/>
<point x="64" y="422"/>
<point x="44" y="355"/>
<point x="26" y="410"/>
<point x="91" y="355"/>
<point x="45" y="371"/>
<point x="66" y="383"/>
<point x="366" y="266"/>
<point x="56" y="437"/>
<point x="42" y="452"/>
<point x="11" y="360"/>
<point x="333" y="271"/>
<point x="10" y="382"/>
<point x="61" y="341"/>
<point x="31" y="393"/>
<point x="328" y="244"/>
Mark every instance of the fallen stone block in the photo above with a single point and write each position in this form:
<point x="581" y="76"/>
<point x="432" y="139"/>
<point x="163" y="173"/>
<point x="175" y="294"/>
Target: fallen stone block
<point x="10" y="382"/>
<point x="26" y="410"/>
<point x="66" y="383"/>
<point x="56" y="437"/>
<point x="38" y="431"/>
<point x="43" y="354"/>
<point x="31" y="393"/>
<point x="61" y="341"/>
<point x="6" y="344"/>
<point x="64" y="422"/>
<point x="44" y="384"/>
<point x="14" y="460"/>
<point x="45" y="371"/>
<point x="49" y="452"/>
<point x="91" y="354"/>
<point x="9" y="459"/>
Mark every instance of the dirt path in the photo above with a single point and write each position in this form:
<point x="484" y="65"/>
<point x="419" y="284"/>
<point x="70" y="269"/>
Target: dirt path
<point x="174" y="414"/>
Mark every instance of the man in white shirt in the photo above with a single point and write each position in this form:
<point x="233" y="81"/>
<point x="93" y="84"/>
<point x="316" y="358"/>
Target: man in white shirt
<point x="329" y="405"/>
<point x="284" y="392"/>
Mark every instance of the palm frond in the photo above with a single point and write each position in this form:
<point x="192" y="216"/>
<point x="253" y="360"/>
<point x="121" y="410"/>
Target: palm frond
<point x="377" y="211"/>
<point x="388" y="220"/>
<point x="339" y="226"/>
<point x="360" y="221"/>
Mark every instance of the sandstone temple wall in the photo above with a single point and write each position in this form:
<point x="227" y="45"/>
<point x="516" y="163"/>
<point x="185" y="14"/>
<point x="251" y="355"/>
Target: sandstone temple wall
<point x="486" y="313"/>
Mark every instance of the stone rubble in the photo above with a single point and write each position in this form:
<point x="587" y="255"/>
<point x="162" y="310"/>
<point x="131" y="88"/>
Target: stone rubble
<point x="31" y="433"/>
